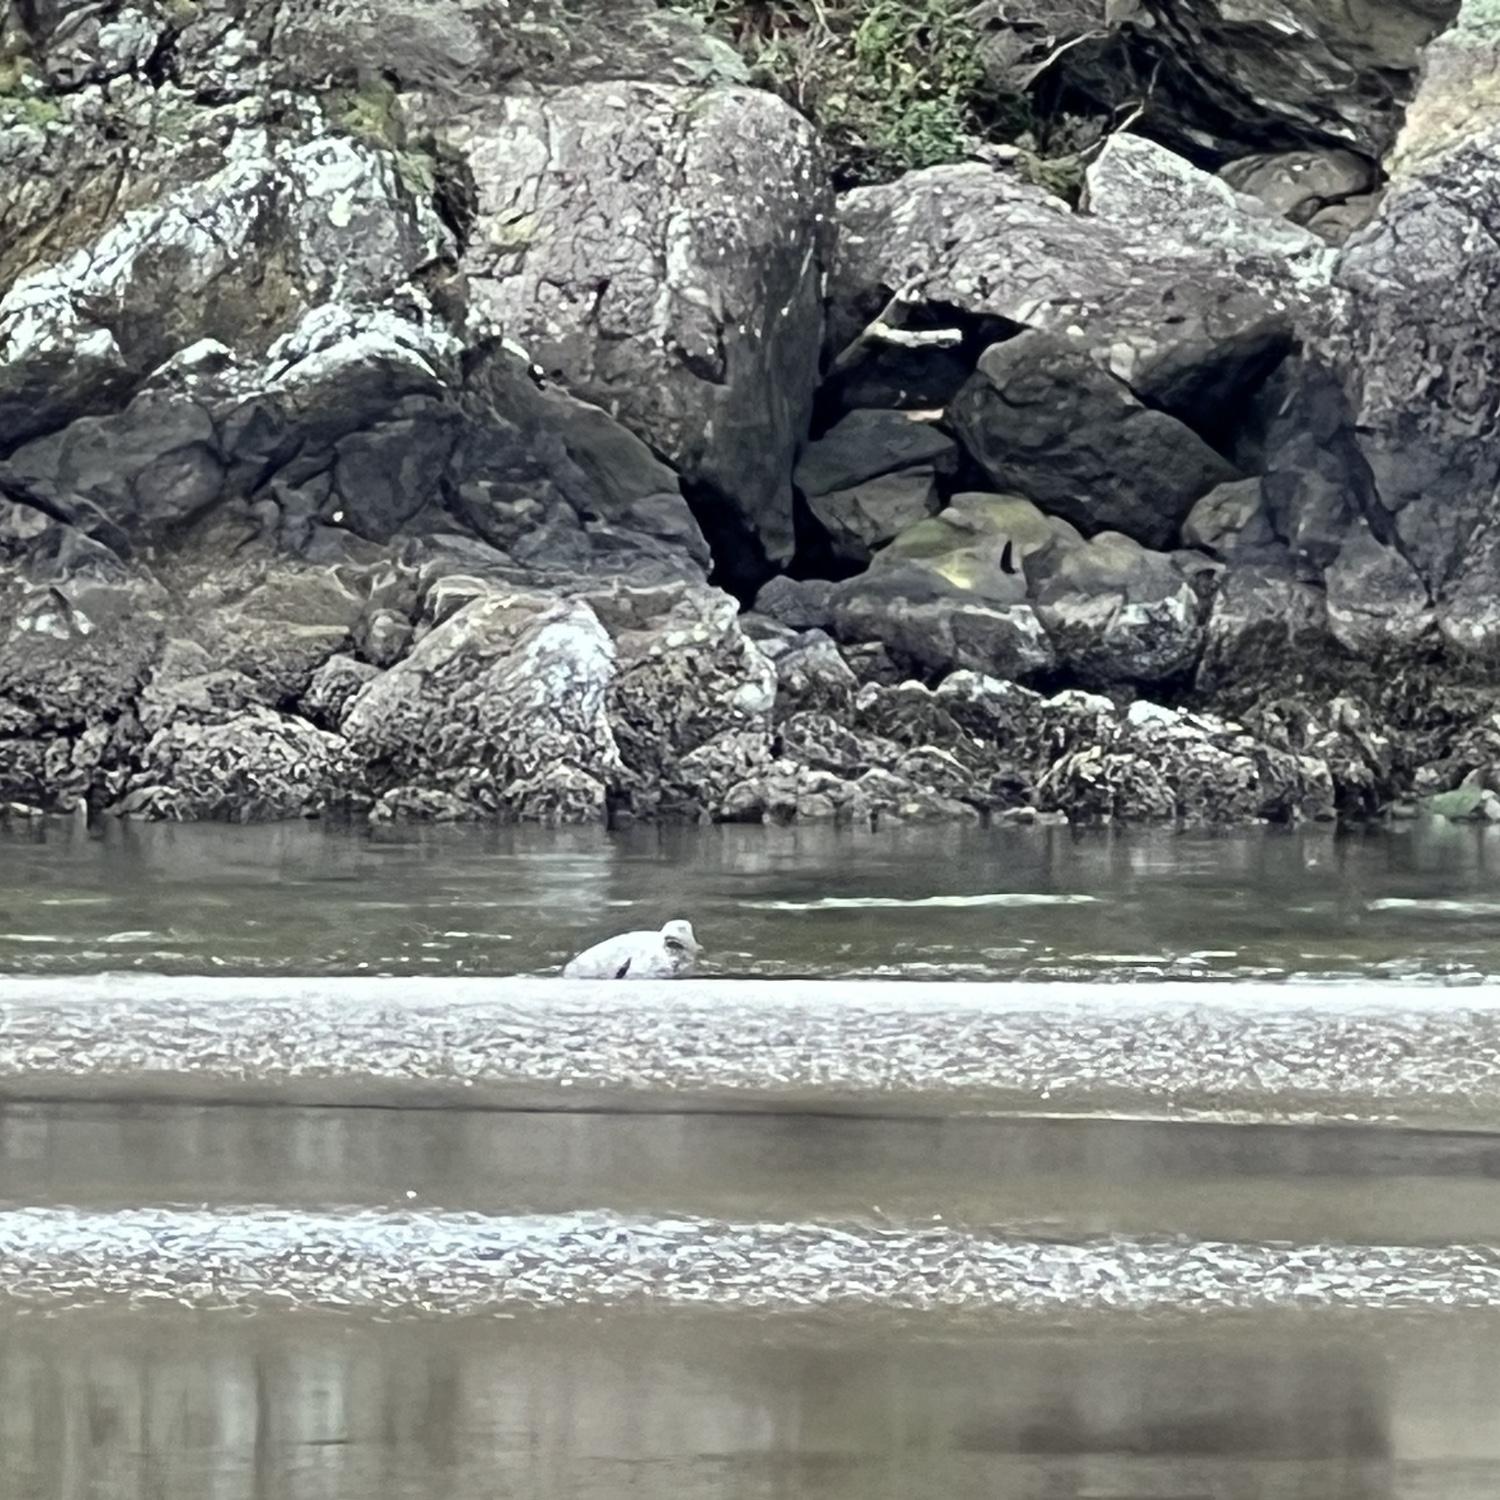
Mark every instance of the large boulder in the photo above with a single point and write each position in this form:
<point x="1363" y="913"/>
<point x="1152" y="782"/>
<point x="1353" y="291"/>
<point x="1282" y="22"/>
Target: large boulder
<point x="1190" y="213"/>
<point x="1304" y="185"/>
<point x="1173" y="318"/>
<point x="658" y="251"/>
<point x="1417" y="343"/>
<point x="994" y="585"/>
<point x="504" y="706"/>
<point x="238" y="255"/>
<point x="1115" y="611"/>
<point x="871" y="475"/>
<point x="949" y="592"/>
<point x="1045" y="421"/>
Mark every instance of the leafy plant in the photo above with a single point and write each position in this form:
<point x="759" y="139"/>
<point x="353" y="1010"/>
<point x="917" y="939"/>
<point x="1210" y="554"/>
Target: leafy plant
<point x="891" y="84"/>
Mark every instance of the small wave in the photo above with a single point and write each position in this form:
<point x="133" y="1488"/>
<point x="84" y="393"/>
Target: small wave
<point x="1442" y="907"/>
<point x="860" y="903"/>
<point x="426" y="1263"/>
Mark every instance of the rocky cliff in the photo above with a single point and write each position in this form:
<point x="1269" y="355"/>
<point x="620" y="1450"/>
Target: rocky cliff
<point x="468" y="408"/>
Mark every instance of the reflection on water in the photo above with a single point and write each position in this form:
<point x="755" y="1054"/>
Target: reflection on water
<point x="1032" y="1176"/>
<point x="1333" y="1396"/>
<point x="1420" y="901"/>
<point x="693" y="1408"/>
<point x="731" y="1403"/>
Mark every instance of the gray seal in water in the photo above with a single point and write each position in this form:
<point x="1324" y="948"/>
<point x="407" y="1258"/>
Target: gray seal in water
<point x="671" y="953"/>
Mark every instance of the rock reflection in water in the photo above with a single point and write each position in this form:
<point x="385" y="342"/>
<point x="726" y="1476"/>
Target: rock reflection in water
<point x="703" y="1409"/>
<point x="297" y="899"/>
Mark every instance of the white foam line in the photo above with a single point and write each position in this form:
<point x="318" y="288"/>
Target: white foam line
<point x="404" y="1264"/>
<point x="859" y="903"/>
<point x="1388" y="1052"/>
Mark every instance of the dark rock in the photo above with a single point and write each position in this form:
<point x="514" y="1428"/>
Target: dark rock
<point x="334" y="686"/>
<point x="1414" y="337"/>
<point x="1339" y="222"/>
<point x="1298" y="184"/>
<point x="1172" y="318"/>
<point x="1269" y="76"/>
<point x="1231" y="518"/>
<point x="1375" y="599"/>
<point x="1045" y="422"/>
<point x="865" y="517"/>
<point x="814" y="676"/>
<point x="1114" y="611"/>
<point x="825" y="744"/>
<point x="867" y="444"/>
<point x="255" y="766"/>
<point x="871" y="663"/>
<point x="1266" y="623"/>
<point x="949" y="592"/>
<point x="1316" y="481"/>
<point x="882" y="797"/>
<point x="802" y="604"/>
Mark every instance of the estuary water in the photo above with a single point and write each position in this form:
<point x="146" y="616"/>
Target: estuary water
<point x="293" y="1301"/>
<point x="1422" y="902"/>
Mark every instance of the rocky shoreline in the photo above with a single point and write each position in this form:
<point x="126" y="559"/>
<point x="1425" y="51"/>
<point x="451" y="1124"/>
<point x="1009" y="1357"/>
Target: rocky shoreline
<point x="469" y="410"/>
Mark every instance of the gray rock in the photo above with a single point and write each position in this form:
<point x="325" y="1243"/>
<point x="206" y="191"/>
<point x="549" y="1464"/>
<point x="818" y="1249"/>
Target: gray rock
<point x="384" y="637"/>
<point x="1320" y="76"/>
<point x="1230" y="518"/>
<point x="824" y="743"/>
<point x="1173" y="319"/>
<point x="802" y="604"/>
<point x="867" y="444"/>
<point x="255" y="766"/>
<point x="862" y="519"/>
<point x="1116" y="612"/>
<point x="1045" y="422"/>
<point x="1339" y="222"/>
<point x="334" y="686"/>
<point x="657" y="250"/>
<point x="1316" y="482"/>
<point x="950" y="593"/>
<point x="883" y="797"/>
<point x="685" y="673"/>
<point x="871" y="663"/>
<point x="814" y="676"/>
<point x="704" y="781"/>
<point x="502" y="706"/>
<point x="1163" y="765"/>
<point x="1375" y="599"/>
<point x="1163" y="196"/>
<point x="1266" y="623"/>
<point x="1414" y="342"/>
<point x="205" y="258"/>
<point x="1299" y="184"/>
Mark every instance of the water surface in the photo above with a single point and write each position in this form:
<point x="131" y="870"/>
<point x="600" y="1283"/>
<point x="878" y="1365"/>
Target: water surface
<point x="234" y="1301"/>
<point x="1420" y="902"/>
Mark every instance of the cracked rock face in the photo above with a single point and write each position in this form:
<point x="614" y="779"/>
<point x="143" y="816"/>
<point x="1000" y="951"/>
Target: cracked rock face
<point x="659" y="251"/>
<point x="381" y="386"/>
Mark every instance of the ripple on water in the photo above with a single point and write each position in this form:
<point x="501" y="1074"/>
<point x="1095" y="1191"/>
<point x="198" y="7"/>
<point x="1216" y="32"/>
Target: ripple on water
<point x="415" y="1264"/>
<point x="862" y="903"/>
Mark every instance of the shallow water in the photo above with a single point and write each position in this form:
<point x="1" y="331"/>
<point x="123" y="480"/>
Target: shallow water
<point x="307" y="1304"/>
<point x="310" y="1303"/>
<point x="1422" y="902"/>
<point x="689" y="1408"/>
<point x="587" y="1307"/>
